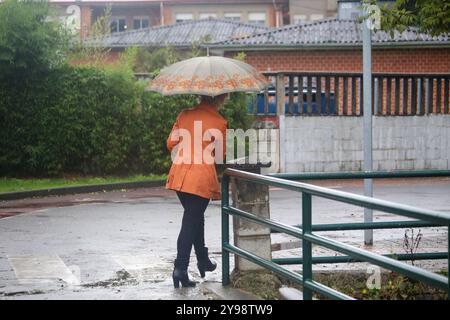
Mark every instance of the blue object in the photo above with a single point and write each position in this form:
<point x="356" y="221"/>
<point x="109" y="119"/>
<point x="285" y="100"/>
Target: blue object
<point x="258" y="101"/>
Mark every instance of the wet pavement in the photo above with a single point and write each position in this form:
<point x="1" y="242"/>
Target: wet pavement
<point x="121" y="245"/>
<point x="114" y="245"/>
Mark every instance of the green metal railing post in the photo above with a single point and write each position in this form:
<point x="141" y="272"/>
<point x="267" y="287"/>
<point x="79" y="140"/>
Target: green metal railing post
<point x="305" y="233"/>
<point x="306" y="245"/>
<point x="225" y="231"/>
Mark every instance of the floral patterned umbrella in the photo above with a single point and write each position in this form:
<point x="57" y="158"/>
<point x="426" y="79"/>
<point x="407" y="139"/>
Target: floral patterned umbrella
<point x="210" y="76"/>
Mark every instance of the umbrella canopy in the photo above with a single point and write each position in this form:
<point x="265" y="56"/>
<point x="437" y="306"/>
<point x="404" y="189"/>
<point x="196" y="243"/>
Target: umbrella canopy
<point x="210" y="76"/>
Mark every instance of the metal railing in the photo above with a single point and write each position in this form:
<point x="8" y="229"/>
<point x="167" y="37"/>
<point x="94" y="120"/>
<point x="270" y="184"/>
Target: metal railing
<point x="305" y="232"/>
<point x="324" y="93"/>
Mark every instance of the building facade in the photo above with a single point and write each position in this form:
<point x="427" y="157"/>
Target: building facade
<point x="310" y="10"/>
<point x="137" y="14"/>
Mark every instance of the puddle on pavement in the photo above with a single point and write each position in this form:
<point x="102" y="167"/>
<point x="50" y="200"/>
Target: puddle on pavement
<point x="123" y="278"/>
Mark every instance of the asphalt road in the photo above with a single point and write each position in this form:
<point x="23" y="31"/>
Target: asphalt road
<point x="121" y="245"/>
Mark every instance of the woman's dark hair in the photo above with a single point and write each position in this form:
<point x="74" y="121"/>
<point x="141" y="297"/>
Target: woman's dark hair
<point x="213" y="100"/>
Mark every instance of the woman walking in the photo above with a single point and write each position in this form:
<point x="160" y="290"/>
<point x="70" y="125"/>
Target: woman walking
<point x="194" y="180"/>
<point x="193" y="176"/>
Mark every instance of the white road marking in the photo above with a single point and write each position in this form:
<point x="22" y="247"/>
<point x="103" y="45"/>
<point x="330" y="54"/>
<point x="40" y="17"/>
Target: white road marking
<point x="143" y="267"/>
<point x="42" y="268"/>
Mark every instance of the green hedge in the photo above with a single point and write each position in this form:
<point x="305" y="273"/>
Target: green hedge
<point x="58" y="119"/>
<point x="89" y="120"/>
<point x="84" y="120"/>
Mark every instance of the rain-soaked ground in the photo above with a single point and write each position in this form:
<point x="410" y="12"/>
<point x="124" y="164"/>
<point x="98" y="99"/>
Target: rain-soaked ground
<point x="121" y="245"/>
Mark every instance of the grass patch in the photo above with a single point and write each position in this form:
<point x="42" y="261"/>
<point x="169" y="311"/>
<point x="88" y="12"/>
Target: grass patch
<point x="263" y="283"/>
<point x="394" y="286"/>
<point x="15" y="185"/>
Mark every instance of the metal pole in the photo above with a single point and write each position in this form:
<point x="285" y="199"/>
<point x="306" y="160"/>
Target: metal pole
<point x="161" y="12"/>
<point x="306" y="245"/>
<point x="225" y="231"/>
<point x="367" y="79"/>
<point x="281" y="124"/>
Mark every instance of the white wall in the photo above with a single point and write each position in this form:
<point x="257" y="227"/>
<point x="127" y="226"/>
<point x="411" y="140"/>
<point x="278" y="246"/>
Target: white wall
<point x="332" y="144"/>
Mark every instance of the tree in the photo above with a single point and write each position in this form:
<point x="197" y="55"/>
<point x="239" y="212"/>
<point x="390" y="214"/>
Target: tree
<point x="429" y="16"/>
<point x="29" y="41"/>
<point x="93" y="50"/>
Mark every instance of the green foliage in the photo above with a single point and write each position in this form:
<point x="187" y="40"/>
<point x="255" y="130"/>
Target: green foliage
<point x="240" y="56"/>
<point x="93" y="52"/>
<point x="263" y="284"/>
<point x="157" y="118"/>
<point x="29" y="42"/>
<point x="145" y="60"/>
<point x="58" y="119"/>
<point x="16" y="185"/>
<point x="430" y="16"/>
<point x="153" y="60"/>
<point x="102" y="27"/>
<point x="196" y="48"/>
<point x="393" y="286"/>
<point x="235" y="111"/>
<point x="69" y="122"/>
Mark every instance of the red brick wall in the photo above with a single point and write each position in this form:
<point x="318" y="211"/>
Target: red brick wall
<point x="389" y="60"/>
<point x="406" y="61"/>
<point x="86" y="21"/>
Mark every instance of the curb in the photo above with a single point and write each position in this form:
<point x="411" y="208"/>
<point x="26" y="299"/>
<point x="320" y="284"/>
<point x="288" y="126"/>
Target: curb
<point x="80" y="189"/>
<point x="228" y="292"/>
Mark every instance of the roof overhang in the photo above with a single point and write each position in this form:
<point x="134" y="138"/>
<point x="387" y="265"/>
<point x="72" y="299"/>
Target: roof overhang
<point x="328" y="46"/>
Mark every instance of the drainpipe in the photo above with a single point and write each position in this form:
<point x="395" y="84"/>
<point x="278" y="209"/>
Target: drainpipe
<point x="161" y="12"/>
<point x="277" y="14"/>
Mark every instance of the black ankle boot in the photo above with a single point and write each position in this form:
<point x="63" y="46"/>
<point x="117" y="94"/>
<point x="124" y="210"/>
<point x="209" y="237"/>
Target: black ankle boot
<point x="204" y="263"/>
<point x="180" y="275"/>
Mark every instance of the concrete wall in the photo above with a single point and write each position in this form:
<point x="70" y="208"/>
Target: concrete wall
<point x="331" y="144"/>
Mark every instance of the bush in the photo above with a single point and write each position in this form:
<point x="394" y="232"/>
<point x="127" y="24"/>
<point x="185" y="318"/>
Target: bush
<point x="158" y="116"/>
<point x="29" y="42"/>
<point x="68" y="122"/>
<point x="94" y="119"/>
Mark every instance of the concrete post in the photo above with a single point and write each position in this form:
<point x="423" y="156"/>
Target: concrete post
<point x="254" y="198"/>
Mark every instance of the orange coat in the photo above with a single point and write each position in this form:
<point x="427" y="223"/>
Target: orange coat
<point x="187" y="173"/>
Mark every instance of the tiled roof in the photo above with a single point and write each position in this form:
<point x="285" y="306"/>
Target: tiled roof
<point x="327" y="32"/>
<point x="182" y="34"/>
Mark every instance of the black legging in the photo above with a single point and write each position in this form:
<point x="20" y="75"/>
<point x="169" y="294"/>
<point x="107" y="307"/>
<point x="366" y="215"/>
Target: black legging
<point x="192" y="228"/>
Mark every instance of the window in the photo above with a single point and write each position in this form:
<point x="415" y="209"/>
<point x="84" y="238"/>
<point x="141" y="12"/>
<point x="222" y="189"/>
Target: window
<point x="180" y="17"/>
<point x="316" y="17"/>
<point x="140" y="22"/>
<point x="207" y="16"/>
<point x="299" y="18"/>
<point x="354" y="15"/>
<point x="232" y="16"/>
<point x="118" y="24"/>
<point x="257" y="18"/>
